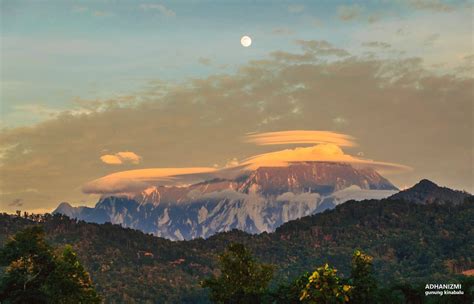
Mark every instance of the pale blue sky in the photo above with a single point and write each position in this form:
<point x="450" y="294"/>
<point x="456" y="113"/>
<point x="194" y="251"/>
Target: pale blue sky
<point x="170" y="83"/>
<point x="54" y="52"/>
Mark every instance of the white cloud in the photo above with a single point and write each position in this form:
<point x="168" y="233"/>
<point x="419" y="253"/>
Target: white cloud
<point x="305" y="197"/>
<point x="356" y="193"/>
<point x="229" y="194"/>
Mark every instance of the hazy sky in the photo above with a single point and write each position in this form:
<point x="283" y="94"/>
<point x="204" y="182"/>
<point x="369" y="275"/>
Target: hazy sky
<point x="93" y="88"/>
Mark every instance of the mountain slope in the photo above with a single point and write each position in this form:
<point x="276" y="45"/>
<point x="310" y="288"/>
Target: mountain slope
<point x="427" y="192"/>
<point x="256" y="202"/>
<point x="409" y="242"/>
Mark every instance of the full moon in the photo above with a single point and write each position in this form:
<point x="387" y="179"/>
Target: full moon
<point x="246" y="41"/>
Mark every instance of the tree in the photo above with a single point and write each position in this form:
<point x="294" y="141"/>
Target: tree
<point x="242" y="278"/>
<point x="362" y="279"/>
<point x="35" y="275"/>
<point x="30" y="261"/>
<point x="70" y="283"/>
<point x="324" y="286"/>
<point x="411" y="294"/>
<point x="289" y="293"/>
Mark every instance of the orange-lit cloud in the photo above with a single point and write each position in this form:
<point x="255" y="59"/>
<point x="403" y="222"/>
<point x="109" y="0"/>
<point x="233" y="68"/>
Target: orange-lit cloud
<point x="300" y="137"/>
<point x="137" y="180"/>
<point x="322" y="152"/>
<point x="121" y="158"/>
<point x="110" y="159"/>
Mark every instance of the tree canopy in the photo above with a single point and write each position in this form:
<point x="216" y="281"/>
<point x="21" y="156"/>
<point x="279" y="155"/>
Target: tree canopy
<point x="35" y="274"/>
<point x="362" y="279"/>
<point x="410" y="244"/>
<point x="242" y="278"/>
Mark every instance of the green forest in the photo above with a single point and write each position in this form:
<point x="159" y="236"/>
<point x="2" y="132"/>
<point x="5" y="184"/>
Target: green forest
<point x="360" y="252"/>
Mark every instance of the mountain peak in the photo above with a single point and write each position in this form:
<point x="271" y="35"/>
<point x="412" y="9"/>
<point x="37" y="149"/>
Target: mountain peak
<point x="65" y="208"/>
<point x="64" y="204"/>
<point x="321" y="177"/>
<point x="425" y="183"/>
<point x="427" y="192"/>
<point x="258" y="201"/>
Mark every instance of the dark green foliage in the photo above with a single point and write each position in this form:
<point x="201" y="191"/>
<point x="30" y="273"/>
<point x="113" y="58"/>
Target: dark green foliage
<point x="35" y="275"/>
<point x="242" y="278"/>
<point x="289" y="293"/>
<point x="30" y="261"/>
<point x="362" y="280"/>
<point x="70" y="283"/>
<point x="414" y="293"/>
<point x="361" y="286"/>
<point x="409" y="243"/>
<point x="325" y="286"/>
<point x="468" y="288"/>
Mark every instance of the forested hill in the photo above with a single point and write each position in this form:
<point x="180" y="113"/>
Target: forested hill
<point x="409" y="242"/>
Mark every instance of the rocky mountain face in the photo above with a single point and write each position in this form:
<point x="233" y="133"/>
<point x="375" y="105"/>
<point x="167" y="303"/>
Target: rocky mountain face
<point x="427" y="192"/>
<point x="258" y="201"/>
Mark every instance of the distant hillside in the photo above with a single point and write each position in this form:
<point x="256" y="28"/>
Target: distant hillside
<point x="410" y="242"/>
<point x="427" y="192"/>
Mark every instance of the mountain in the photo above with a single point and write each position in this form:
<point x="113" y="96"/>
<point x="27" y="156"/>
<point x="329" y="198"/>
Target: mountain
<point x="410" y="243"/>
<point x="84" y="213"/>
<point x="255" y="202"/>
<point x="427" y="192"/>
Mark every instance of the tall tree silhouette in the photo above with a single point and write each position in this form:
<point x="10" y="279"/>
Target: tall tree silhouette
<point x="242" y="278"/>
<point x="35" y="275"/>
